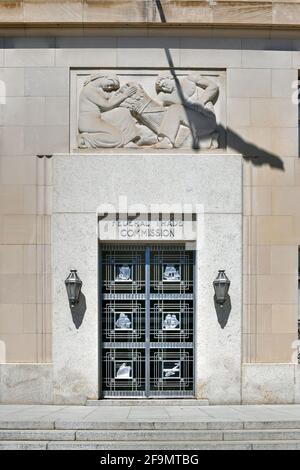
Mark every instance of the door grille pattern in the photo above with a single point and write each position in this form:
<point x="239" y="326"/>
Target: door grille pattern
<point x="147" y="320"/>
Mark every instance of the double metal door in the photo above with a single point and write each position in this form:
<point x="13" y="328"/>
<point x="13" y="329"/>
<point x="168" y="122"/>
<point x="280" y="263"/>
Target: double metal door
<point x="147" y="321"/>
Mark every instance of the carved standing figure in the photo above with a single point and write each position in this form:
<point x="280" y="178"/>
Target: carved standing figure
<point x="102" y="123"/>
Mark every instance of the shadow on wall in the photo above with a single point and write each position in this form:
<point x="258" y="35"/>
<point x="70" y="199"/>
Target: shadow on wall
<point x="223" y="311"/>
<point x="78" y="311"/>
<point x="160" y="11"/>
<point x="250" y="152"/>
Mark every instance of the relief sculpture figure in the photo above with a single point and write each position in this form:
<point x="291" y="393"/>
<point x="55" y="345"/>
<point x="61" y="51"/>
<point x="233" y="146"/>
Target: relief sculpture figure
<point x="102" y="123"/>
<point x="189" y="102"/>
<point x="112" y="116"/>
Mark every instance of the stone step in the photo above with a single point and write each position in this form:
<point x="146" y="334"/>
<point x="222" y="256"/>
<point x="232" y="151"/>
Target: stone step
<point x="187" y="435"/>
<point x="96" y="424"/>
<point x="148" y="402"/>
<point x="262" y="435"/>
<point x="144" y="435"/>
<point x="175" y="445"/>
<point x="23" y="445"/>
<point x="123" y="436"/>
<point x="173" y="425"/>
<point x="146" y="425"/>
<point x="36" y="435"/>
<point x="154" y="445"/>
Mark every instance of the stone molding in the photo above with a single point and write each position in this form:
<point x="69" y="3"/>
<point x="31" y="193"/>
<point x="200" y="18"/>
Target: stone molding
<point x="246" y="13"/>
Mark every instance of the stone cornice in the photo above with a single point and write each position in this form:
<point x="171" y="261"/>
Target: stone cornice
<point x="152" y="13"/>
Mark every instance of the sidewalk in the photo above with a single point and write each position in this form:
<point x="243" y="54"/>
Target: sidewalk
<point x="52" y="415"/>
<point x="149" y="427"/>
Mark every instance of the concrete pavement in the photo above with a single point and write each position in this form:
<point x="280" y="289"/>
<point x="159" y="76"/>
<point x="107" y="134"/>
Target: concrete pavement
<point x="145" y="427"/>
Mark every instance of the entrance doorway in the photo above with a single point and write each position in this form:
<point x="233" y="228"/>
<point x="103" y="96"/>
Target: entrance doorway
<point x="146" y="320"/>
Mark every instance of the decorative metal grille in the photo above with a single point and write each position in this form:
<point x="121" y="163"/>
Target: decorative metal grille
<point x="147" y="320"/>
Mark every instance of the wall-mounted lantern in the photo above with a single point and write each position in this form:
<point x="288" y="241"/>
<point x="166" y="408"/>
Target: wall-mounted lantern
<point x="221" y="286"/>
<point x="73" y="285"/>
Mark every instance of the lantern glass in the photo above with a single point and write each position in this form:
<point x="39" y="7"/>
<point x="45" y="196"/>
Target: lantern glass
<point x="73" y="285"/>
<point x="221" y="287"/>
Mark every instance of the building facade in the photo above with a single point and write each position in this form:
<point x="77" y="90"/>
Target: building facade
<point x="149" y="145"/>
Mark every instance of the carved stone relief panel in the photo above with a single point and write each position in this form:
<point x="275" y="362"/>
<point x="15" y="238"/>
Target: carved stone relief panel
<point x="142" y="109"/>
